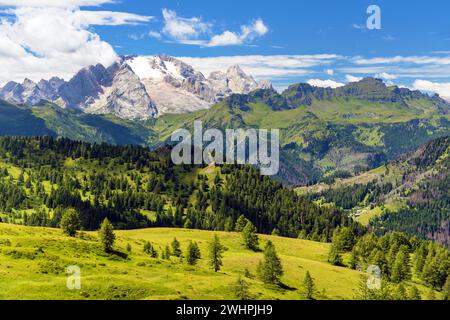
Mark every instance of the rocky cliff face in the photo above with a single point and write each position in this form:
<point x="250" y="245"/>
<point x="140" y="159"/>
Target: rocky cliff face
<point x="177" y="88"/>
<point x="30" y="93"/>
<point x="136" y="88"/>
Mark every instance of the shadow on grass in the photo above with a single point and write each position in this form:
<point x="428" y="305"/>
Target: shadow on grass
<point x="286" y="287"/>
<point x="118" y="254"/>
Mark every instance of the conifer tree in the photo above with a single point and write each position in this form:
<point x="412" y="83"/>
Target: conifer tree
<point x="193" y="253"/>
<point x="400" y="292"/>
<point x="241" y="289"/>
<point x="308" y="286"/>
<point x="401" y="269"/>
<point x="70" y="222"/>
<point x="249" y="236"/>
<point x="176" y="248"/>
<point x="106" y="235"/>
<point x="240" y="223"/>
<point x="270" y="269"/>
<point x="414" y="294"/>
<point x="334" y="256"/>
<point x="215" y="253"/>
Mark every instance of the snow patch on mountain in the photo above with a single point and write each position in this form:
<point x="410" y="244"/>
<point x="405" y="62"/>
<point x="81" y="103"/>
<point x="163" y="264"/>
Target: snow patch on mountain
<point x="136" y="88"/>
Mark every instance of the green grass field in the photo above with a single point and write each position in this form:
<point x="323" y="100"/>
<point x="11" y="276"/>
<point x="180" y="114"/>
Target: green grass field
<point x="33" y="263"/>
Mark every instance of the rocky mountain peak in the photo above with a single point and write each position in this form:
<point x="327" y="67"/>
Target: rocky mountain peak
<point x="136" y="87"/>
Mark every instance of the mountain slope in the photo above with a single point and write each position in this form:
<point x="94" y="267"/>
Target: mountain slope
<point x="39" y="256"/>
<point x="317" y="145"/>
<point x="135" y="88"/>
<point x="135" y="187"/>
<point x="410" y="194"/>
<point x="51" y="120"/>
<point x="325" y="133"/>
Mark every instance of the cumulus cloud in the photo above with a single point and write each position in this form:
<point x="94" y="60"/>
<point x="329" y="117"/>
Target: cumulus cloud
<point x="443" y="89"/>
<point x="325" y="83"/>
<point x="54" y="38"/>
<point x="183" y="29"/>
<point x="196" y="31"/>
<point x="248" y="33"/>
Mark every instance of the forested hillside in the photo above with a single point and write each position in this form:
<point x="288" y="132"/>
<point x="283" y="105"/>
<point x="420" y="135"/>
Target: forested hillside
<point x="136" y="188"/>
<point x="410" y="194"/>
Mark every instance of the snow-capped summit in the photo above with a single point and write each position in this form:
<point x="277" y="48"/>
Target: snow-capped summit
<point x="136" y="87"/>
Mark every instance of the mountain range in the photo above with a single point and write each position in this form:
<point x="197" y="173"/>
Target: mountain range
<point x="325" y="133"/>
<point x="135" y="88"/>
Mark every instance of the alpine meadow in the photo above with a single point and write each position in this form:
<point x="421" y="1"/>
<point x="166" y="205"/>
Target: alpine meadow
<point x="312" y="163"/>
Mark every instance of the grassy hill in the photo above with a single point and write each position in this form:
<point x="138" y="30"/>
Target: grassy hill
<point x="33" y="262"/>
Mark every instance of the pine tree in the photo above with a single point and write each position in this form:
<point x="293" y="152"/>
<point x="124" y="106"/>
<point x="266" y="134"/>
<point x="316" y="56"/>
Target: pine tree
<point x="354" y="260"/>
<point x="129" y="249"/>
<point x="414" y="294"/>
<point x="165" y="254"/>
<point x="363" y="292"/>
<point x="334" y="256"/>
<point x="176" y="248"/>
<point x="431" y="295"/>
<point x="400" y="292"/>
<point x="241" y="289"/>
<point x="150" y="250"/>
<point x="70" y="222"/>
<point x="215" y="253"/>
<point x="249" y="236"/>
<point x="106" y="235"/>
<point x="308" y="286"/>
<point x="270" y="269"/>
<point x="240" y="223"/>
<point x="401" y="269"/>
<point x="187" y="224"/>
<point x="420" y="257"/>
<point x="193" y="253"/>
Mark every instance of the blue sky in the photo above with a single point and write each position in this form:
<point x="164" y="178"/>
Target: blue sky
<point x="323" y="42"/>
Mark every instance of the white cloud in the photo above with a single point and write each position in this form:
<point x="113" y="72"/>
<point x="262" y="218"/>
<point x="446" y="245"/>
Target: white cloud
<point x="351" y="78"/>
<point x="443" y="89"/>
<point x="196" y="31"/>
<point x="183" y="29"/>
<point x="248" y="33"/>
<point x="402" y="59"/>
<point x="386" y="76"/>
<point x="325" y="83"/>
<point x="110" y="18"/>
<point x="154" y="34"/>
<point x="54" y="40"/>
<point x="53" y="3"/>
<point x="329" y="72"/>
<point x="264" y="67"/>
